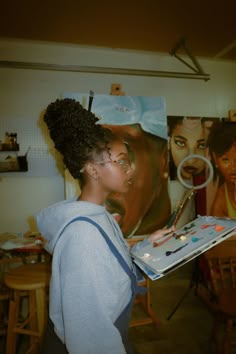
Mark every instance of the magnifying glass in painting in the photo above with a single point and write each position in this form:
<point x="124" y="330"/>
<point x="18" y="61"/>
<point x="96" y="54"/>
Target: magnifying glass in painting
<point x="191" y="188"/>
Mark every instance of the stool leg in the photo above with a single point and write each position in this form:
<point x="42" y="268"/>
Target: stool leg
<point x="41" y="312"/>
<point x="12" y="320"/>
<point x="33" y="318"/>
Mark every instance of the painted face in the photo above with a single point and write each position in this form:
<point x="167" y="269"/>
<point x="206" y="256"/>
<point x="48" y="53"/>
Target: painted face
<point x="188" y="138"/>
<point x="145" y="206"/>
<point x="227" y="164"/>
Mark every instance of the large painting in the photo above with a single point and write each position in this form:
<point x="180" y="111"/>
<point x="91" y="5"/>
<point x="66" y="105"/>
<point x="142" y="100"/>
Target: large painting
<point x="214" y="139"/>
<point x="188" y="136"/>
<point x="222" y="152"/>
<point x="141" y="122"/>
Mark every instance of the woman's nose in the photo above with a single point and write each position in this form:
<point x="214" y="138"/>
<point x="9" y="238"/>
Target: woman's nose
<point x="233" y="164"/>
<point x="130" y="169"/>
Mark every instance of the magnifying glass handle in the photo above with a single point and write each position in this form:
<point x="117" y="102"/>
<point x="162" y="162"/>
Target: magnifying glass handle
<point x="179" y="209"/>
<point x="172" y="219"/>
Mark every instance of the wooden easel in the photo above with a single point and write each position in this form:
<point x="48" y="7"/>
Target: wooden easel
<point x="143" y="300"/>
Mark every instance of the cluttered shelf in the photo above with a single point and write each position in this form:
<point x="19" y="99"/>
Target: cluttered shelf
<point x="27" y="248"/>
<point x="9" y="147"/>
<point x="13" y="163"/>
<point x="9" y="162"/>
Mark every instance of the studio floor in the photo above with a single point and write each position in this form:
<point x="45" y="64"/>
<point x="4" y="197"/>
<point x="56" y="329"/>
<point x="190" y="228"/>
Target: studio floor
<point x="188" y="330"/>
<point x="184" y="331"/>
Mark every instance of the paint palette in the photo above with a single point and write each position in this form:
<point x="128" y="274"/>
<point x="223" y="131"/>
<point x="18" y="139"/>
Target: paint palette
<point x="176" y="249"/>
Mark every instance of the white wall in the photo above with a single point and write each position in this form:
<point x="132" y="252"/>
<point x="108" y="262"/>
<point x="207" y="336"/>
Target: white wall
<point x="26" y="93"/>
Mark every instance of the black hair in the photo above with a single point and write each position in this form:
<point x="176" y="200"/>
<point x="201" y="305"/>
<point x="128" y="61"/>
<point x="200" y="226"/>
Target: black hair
<point x="75" y="133"/>
<point x="221" y="138"/>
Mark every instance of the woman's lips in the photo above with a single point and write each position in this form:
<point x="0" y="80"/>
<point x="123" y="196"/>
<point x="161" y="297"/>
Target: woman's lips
<point x="190" y="170"/>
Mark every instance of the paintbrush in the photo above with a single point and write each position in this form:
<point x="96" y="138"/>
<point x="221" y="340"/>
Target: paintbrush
<point x="91" y="95"/>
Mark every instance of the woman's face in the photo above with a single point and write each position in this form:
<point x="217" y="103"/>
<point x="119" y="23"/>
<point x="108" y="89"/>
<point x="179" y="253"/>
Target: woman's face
<point x="188" y="138"/>
<point x="227" y="164"/>
<point x="146" y="206"/>
<point x="115" y="169"/>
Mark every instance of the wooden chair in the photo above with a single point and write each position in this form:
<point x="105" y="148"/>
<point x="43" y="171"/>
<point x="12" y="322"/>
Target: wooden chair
<point x="30" y="281"/>
<point x="148" y="315"/>
<point x="222" y="266"/>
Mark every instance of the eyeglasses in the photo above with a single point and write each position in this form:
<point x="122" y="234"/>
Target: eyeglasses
<point x="124" y="163"/>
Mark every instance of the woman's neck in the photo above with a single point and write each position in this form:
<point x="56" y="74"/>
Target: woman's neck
<point x="92" y="195"/>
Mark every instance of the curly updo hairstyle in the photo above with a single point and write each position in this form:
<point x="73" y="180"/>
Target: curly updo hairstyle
<point x="75" y="133"/>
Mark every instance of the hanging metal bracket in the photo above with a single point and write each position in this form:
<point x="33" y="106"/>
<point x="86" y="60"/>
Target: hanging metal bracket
<point x="197" y="74"/>
<point x="196" y="66"/>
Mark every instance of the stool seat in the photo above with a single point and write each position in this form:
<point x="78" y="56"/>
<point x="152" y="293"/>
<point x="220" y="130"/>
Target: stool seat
<point x="28" y="276"/>
<point x="30" y="281"/>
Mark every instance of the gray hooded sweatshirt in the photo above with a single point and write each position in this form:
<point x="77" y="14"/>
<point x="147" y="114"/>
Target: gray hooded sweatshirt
<point x="88" y="287"/>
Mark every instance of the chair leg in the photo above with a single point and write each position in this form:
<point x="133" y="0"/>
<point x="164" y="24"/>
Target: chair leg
<point x="228" y="336"/>
<point x="216" y="334"/>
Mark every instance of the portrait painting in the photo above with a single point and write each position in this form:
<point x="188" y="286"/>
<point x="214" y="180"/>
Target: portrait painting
<point x="189" y="162"/>
<point x="141" y="123"/>
<point x="222" y="153"/>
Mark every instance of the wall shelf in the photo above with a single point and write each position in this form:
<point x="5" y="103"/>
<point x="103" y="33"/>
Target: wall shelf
<point x="9" y="147"/>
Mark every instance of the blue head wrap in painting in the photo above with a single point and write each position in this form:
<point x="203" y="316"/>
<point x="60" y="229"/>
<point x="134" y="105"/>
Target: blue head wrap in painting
<point x="149" y="112"/>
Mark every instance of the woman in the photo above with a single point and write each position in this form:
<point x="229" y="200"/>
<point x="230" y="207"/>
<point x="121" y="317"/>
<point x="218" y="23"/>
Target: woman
<point x="93" y="278"/>
<point x="222" y="149"/>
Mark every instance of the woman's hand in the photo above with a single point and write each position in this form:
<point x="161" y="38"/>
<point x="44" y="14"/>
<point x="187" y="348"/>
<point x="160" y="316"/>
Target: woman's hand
<point x="160" y="233"/>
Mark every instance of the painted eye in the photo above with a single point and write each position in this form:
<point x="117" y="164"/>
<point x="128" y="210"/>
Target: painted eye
<point x="202" y="146"/>
<point x="180" y="143"/>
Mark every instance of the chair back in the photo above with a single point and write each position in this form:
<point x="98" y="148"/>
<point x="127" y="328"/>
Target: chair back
<point x="222" y="266"/>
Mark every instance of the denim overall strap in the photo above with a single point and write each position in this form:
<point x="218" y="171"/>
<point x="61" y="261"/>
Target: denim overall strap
<point x="112" y="247"/>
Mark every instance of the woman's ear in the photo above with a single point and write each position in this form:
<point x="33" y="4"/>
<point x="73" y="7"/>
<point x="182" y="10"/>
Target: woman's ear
<point x="91" y="170"/>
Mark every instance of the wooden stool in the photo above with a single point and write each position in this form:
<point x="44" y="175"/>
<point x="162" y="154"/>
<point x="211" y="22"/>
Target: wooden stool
<point x="29" y="280"/>
<point x="143" y="300"/>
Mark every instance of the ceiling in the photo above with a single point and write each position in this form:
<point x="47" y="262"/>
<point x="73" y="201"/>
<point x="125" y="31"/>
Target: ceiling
<point x="208" y="26"/>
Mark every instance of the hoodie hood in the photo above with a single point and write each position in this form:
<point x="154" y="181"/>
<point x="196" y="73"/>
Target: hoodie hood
<point x="52" y="220"/>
